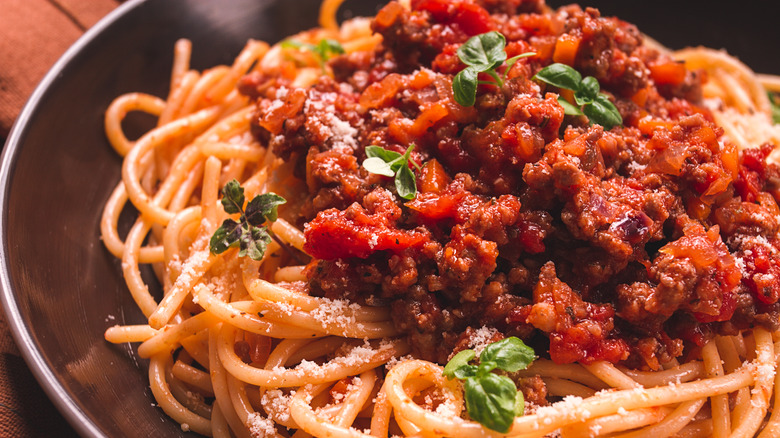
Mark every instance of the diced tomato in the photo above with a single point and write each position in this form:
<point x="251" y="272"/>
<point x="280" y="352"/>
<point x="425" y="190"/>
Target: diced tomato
<point x="470" y="17"/>
<point x="437" y="8"/>
<point x="433" y="178"/>
<point x="473" y="19"/>
<point x="434" y="207"/>
<point x="668" y="72"/>
<point x="566" y="48"/>
<point x="336" y="234"/>
<point x="763" y="274"/>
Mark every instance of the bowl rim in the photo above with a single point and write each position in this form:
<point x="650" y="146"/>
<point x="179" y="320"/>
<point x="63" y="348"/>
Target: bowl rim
<point x="29" y="349"/>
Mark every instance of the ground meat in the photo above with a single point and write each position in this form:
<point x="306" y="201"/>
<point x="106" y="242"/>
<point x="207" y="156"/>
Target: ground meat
<point x="534" y="390"/>
<point x="467" y="262"/>
<point x="578" y="331"/>
<point x="628" y="245"/>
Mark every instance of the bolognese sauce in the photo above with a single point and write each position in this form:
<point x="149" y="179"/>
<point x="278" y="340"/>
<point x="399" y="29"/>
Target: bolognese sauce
<point x="634" y="245"/>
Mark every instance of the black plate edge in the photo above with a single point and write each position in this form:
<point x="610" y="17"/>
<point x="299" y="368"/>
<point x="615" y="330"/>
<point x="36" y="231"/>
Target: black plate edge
<point x="32" y="355"/>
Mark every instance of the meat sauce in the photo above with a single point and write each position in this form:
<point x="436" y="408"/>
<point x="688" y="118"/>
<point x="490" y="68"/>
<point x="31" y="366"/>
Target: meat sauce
<point x="631" y="245"/>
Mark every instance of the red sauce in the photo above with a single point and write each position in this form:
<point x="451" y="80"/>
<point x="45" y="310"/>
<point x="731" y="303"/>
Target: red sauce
<point x="626" y="245"/>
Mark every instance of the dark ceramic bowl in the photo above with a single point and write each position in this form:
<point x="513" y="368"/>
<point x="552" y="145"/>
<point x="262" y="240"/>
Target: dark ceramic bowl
<point x="61" y="289"/>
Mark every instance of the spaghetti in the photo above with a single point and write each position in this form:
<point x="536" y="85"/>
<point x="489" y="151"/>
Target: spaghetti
<point x="293" y="345"/>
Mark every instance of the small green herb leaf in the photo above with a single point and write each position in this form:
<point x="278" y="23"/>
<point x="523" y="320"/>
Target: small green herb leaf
<point x="492" y="401"/>
<point x="405" y="183"/>
<point x="560" y="75"/>
<point x="485" y="366"/>
<point x="466" y="371"/>
<point x="381" y="161"/>
<point x="226" y="236"/>
<point x="464" y="87"/>
<point x="327" y="47"/>
<point x="461" y="359"/>
<point x="569" y="109"/>
<point x="324" y="49"/>
<point x="384" y="154"/>
<point x="775" y="108"/>
<point x="378" y="166"/>
<point x="509" y="354"/>
<point x="483" y="52"/>
<point x="247" y="234"/>
<point x="263" y="207"/>
<point x="233" y="197"/>
<point x="254" y="242"/>
<point x="595" y="105"/>
<point x="295" y="44"/>
<point x="603" y="112"/>
<point x="519" y="404"/>
<point x="588" y="91"/>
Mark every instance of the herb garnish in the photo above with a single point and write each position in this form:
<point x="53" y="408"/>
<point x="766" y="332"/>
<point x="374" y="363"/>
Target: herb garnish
<point x="482" y="53"/>
<point x="773" y="101"/>
<point x="248" y="234"/>
<point x="389" y="163"/>
<point x="324" y="50"/>
<point x="590" y="102"/>
<point x="491" y="399"/>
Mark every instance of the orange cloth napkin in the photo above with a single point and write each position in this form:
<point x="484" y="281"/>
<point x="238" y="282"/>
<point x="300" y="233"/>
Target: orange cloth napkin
<point x="33" y="35"/>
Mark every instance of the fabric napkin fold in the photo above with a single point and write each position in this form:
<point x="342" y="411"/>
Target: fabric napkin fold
<point x="33" y="35"/>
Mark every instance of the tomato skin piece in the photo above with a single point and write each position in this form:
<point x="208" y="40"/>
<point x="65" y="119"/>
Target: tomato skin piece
<point x="335" y="234"/>
<point x="471" y="18"/>
<point x="439" y="9"/>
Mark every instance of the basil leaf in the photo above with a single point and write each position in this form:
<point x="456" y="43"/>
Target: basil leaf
<point x="466" y="371"/>
<point x="560" y="75"/>
<point x="295" y="44"/>
<point x="233" y="197"/>
<point x="485" y="367"/>
<point x="483" y="52"/>
<point x="775" y="109"/>
<point x="246" y="234"/>
<point x="587" y="92"/>
<point x="459" y="360"/>
<point x="464" y="87"/>
<point x="491" y="400"/>
<point x="327" y="47"/>
<point x="384" y="154"/>
<point x="389" y="163"/>
<point x="569" y="109"/>
<point x="263" y="207"/>
<point x="519" y="404"/>
<point x="324" y="49"/>
<point x="254" y="242"/>
<point x="226" y="236"/>
<point x="405" y="183"/>
<point x="509" y="354"/>
<point x="603" y="112"/>
<point x="378" y="166"/>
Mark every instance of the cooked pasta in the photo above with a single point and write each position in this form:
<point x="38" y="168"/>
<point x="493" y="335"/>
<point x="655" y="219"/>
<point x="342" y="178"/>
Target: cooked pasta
<point x="243" y="347"/>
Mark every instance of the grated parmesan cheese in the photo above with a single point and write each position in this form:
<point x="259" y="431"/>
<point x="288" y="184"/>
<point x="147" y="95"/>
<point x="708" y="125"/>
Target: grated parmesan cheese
<point x="259" y="426"/>
<point x="277" y="403"/>
<point x="336" y="312"/>
<point x="482" y="338"/>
